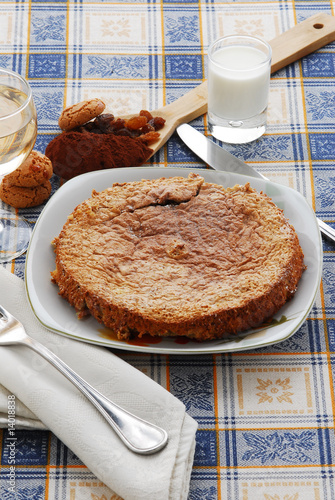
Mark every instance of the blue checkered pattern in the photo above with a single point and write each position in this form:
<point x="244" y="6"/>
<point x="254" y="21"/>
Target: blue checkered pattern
<point x="266" y="417"/>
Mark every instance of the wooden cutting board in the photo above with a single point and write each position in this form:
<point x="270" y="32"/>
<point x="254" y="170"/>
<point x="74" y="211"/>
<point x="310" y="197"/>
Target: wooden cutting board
<point x="299" y="41"/>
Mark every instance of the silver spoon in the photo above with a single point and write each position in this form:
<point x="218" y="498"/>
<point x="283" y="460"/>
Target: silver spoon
<point x="138" y="435"/>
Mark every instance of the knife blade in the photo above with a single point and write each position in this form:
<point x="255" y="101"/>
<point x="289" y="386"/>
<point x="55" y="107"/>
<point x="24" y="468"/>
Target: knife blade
<point x="220" y="159"/>
<point x="212" y="154"/>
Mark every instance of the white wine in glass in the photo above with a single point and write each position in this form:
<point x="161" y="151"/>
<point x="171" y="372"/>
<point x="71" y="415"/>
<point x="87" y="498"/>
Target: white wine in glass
<point x="18" y="130"/>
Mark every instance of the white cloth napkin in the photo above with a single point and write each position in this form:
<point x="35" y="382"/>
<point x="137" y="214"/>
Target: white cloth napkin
<point x="48" y="400"/>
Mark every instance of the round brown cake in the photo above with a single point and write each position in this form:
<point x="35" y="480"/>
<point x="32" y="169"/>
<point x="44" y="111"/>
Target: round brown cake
<point x="178" y="256"/>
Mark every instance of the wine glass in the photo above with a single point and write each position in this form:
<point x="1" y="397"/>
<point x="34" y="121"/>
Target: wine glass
<point x="18" y="130"/>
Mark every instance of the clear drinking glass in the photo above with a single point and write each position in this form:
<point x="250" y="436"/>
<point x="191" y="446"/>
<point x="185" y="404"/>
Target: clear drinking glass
<point x="239" y="70"/>
<point x="18" y="130"/>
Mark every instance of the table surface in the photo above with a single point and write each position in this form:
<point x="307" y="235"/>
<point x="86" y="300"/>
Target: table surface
<point x="266" y="416"/>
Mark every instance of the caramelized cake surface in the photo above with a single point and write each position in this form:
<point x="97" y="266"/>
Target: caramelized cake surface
<point x="178" y="256"/>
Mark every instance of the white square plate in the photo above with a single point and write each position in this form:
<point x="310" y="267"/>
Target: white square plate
<point x="57" y="315"/>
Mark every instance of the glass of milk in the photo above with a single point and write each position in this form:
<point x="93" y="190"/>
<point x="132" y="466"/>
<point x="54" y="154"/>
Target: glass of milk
<point x="239" y="70"/>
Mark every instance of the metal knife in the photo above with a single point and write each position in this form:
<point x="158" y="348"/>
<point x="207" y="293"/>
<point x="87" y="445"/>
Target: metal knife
<point x="220" y="159"/>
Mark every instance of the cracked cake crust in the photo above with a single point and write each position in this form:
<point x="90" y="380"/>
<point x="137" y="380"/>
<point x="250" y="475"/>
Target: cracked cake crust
<point x="177" y="256"/>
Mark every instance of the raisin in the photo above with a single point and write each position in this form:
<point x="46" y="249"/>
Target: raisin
<point x="149" y="138"/>
<point x="124" y="131"/>
<point x="143" y="126"/>
<point x="104" y="121"/>
<point x="147" y="128"/>
<point x="116" y="125"/>
<point x="157" y="122"/>
<point x="105" y="126"/>
<point x="146" y="113"/>
<point x="105" y="117"/>
<point x="136" y="122"/>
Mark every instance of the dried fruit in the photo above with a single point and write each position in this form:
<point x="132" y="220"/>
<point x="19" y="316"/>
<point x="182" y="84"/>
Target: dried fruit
<point x="147" y="128"/>
<point x="136" y="122"/>
<point x="146" y="113"/>
<point x="149" y="138"/>
<point x="143" y="125"/>
<point x="157" y="122"/>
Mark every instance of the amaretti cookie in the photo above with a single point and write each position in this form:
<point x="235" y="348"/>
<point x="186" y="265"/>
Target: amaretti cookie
<point x="36" y="169"/>
<point x="24" y="197"/>
<point x="29" y="185"/>
<point x="80" y="113"/>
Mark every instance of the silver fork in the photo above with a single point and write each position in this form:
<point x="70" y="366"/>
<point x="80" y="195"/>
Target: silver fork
<point x="137" y="434"/>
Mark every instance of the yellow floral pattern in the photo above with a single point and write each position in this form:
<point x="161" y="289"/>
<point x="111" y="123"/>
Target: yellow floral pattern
<point x="278" y="390"/>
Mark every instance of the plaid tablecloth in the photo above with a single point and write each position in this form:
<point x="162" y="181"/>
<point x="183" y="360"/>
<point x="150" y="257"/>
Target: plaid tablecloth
<point x="266" y="416"/>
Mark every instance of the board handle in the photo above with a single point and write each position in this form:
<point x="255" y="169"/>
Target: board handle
<point x="295" y="43"/>
<point x="301" y="40"/>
